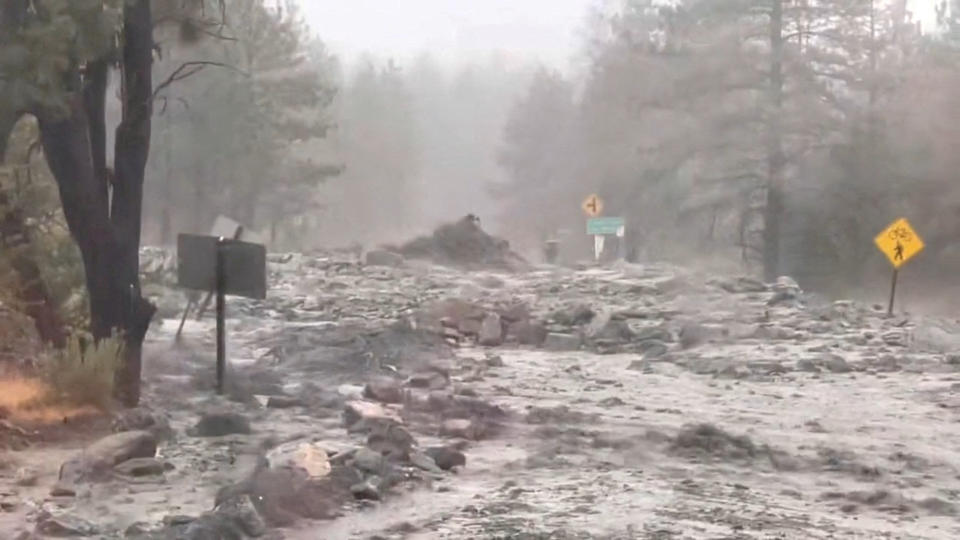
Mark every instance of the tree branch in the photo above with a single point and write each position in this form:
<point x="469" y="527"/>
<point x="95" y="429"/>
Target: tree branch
<point x="188" y="69"/>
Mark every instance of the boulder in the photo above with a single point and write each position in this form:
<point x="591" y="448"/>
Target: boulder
<point x="142" y="467"/>
<point x="96" y="462"/>
<point x="446" y="457"/>
<point x="430" y="380"/>
<point x="384" y="390"/>
<point x="221" y="424"/>
<point x="463" y="428"/>
<point x="491" y="331"/>
<point x="836" y="363"/>
<point x="527" y="333"/>
<point x="382" y="257"/>
<point x="306" y="456"/>
<point x="65" y="526"/>
<point x="562" y="342"/>
<point x="355" y="412"/>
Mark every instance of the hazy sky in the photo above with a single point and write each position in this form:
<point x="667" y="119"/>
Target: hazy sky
<point x="544" y="29"/>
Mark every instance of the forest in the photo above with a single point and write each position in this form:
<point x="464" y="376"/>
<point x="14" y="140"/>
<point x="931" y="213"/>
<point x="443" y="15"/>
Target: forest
<point x="775" y="137"/>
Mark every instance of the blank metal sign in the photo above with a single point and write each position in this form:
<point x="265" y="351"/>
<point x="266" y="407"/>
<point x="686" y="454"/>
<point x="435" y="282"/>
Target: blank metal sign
<point x="244" y="265"/>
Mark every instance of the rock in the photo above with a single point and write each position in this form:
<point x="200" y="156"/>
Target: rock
<point x="357" y="411"/>
<point x="652" y="349"/>
<point x="369" y="461"/>
<point x="366" y="491"/>
<point x="693" y="334"/>
<point x="515" y="313"/>
<point x="462" y="428"/>
<point x="836" y="364"/>
<point x="391" y="439"/>
<point x="243" y="513"/>
<point x="807" y="365"/>
<point x="896" y="338"/>
<point x="493" y="360"/>
<point x="63" y="490"/>
<point x="26" y="476"/>
<point x="471" y="327"/>
<point x="309" y="457"/>
<point x="283" y="402"/>
<point x="742" y="285"/>
<point x="384" y="390"/>
<point x="96" y="462"/>
<point x="142" y="467"/>
<point x="562" y="342"/>
<point x="527" y="333"/>
<point x="446" y="457"/>
<point x="577" y="316"/>
<point x="141" y="419"/>
<point x="464" y="244"/>
<point x="657" y="333"/>
<point x="221" y="424"/>
<point x="614" y="331"/>
<point x="431" y="380"/>
<point x="491" y="331"/>
<point x="785" y="290"/>
<point x="382" y="257"/>
<point x="424" y="462"/>
<point x="64" y="526"/>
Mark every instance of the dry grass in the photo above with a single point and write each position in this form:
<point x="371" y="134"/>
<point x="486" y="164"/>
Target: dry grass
<point x="83" y="373"/>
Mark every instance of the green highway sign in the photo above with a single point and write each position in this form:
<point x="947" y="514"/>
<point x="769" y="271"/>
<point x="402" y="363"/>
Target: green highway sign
<point x="605" y="226"/>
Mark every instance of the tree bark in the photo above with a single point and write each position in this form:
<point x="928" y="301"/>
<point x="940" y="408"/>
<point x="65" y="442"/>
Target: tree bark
<point x="130" y="161"/>
<point x="108" y="231"/>
<point x="773" y="212"/>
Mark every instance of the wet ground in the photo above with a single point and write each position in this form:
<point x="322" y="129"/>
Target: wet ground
<point x="684" y="406"/>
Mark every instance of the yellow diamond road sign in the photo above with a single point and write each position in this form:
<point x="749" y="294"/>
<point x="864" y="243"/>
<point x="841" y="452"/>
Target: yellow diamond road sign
<point x="899" y="242"/>
<point x="593" y="206"/>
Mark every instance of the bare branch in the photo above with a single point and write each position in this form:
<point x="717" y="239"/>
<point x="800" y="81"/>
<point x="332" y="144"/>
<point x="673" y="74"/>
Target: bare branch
<point x="188" y="69"/>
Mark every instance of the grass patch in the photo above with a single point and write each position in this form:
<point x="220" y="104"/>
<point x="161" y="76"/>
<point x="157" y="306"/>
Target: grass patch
<point x="83" y="373"/>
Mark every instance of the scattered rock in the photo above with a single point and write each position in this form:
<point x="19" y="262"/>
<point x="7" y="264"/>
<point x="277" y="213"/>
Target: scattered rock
<point x="284" y="402"/>
<point x="141" y="419"/>
<point x="221" y="424"/>
<point x="836" y="364"/>
<point x="26" y="476"/>
<point x="431" y="380"/>
<point x="464" y="244"/>
<point x="693" y="334"/>
<point x="562" y="342"/>
<point x="491" y="331"/>
<point x="707" y="440"/>
<point x="527" y="333"/>
<point x="463" y="428"/>
<point x="366" y="491"/>
<point x="308" y="457"/>
<point x="96" y="462"/>
<point x="64" y="526"/>
<point x="142" y="467"/>
<point x="368" y="411"/>
<point x="382" y="257"/>
<point x="807" y="365"/>
<point x="446" y="457"/>
<point x="384" y="390"/>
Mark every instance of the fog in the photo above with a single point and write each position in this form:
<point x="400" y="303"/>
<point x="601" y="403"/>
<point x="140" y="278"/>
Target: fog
<point x="373" y="122"/>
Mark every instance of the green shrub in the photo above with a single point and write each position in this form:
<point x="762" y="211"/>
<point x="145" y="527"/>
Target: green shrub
<point x="83" y="373"/>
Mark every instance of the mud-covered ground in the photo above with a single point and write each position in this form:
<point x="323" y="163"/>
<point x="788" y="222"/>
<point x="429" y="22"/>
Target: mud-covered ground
<point x="626" y="402"/>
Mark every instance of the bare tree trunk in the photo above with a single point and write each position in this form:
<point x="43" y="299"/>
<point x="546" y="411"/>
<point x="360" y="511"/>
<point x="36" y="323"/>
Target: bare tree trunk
<point x="130" y="160"/>
<point x="108" y="232"/>
<point x="773" y="212"/>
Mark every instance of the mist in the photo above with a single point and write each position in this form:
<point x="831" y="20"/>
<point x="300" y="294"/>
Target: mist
<point x="671" y="113"/>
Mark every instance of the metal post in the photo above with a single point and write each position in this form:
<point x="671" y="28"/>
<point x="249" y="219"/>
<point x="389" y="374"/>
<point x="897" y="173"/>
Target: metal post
<point x="893" y="291"/>
<point x="221" y="307"/>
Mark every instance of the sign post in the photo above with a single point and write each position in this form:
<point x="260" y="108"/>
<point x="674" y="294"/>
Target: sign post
<point x="224" y="266"/>
<point x="900" y="243"/>
<point x="601" y="227"/>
